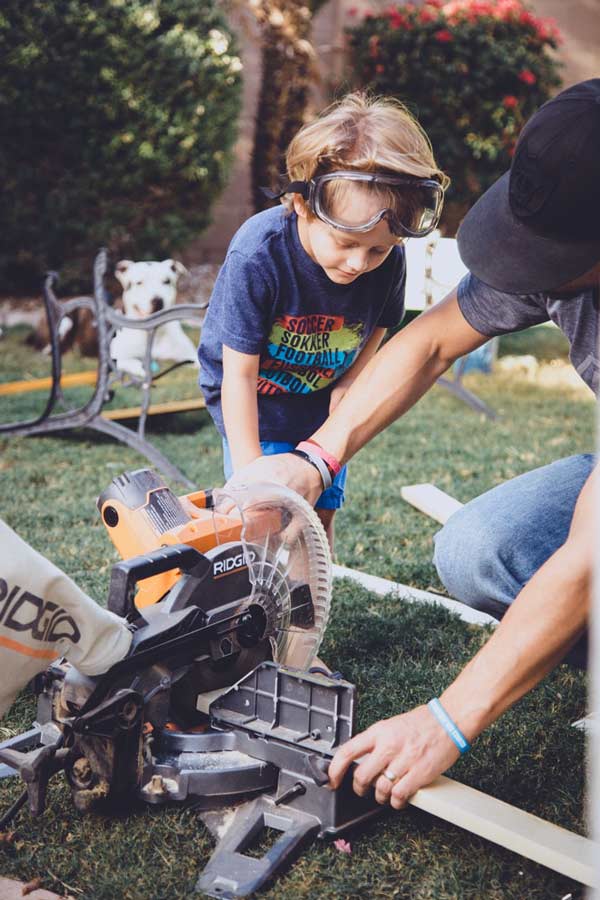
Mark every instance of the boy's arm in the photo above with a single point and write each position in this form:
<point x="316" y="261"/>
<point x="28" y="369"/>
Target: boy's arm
<point x="368" y="351"/>
<point x="240" y="406"/>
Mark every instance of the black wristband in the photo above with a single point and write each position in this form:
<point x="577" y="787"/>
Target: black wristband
<point x="318" y="464"/>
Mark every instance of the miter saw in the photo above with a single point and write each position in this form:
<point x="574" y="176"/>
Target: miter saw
<point x="228" y="596"/>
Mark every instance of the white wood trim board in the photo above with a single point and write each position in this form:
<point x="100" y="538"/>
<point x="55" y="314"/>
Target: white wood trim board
<point x="413" y="595"/>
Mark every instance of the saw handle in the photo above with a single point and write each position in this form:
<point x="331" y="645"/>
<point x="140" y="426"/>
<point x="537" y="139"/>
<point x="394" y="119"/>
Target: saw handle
<point x="126" y="574"/>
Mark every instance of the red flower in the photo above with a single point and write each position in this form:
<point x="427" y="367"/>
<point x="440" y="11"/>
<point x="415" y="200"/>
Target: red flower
<point x="427" y="16"/>
<point x="443" y="36"/>
<point x="510" y="102"/>
<point x="379" y="69"/>
<point x="352" y="11"/>
<point x="374" y="46"/>
<point x="547" y="30"/>
<point x="527" y="76"/>
<point x="396" y="19"/>
<point x="525" y="18"/>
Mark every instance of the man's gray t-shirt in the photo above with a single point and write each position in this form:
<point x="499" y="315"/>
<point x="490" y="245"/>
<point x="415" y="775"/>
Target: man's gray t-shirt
<point x="493" y="312"/>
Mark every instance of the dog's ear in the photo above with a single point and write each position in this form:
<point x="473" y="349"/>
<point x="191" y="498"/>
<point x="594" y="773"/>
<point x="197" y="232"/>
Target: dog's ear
<point x="121" y="270"/>
<point x="178" y="267"/>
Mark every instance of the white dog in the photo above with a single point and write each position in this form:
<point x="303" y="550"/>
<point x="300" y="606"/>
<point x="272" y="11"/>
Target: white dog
<point x="149" y="287"/>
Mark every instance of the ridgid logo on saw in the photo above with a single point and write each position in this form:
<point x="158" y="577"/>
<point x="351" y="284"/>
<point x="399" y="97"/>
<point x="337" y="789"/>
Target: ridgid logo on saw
<point x="21" y="611"/>
<point x="233" y="563"/>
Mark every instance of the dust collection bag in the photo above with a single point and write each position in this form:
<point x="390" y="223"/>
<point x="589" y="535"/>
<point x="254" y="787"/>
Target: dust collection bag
<point x="44" y="615"/>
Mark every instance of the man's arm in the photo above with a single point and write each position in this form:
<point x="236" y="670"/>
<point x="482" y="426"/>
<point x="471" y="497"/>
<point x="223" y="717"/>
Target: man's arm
<point x="541" y="625"/>
<point x="395" y="378"/>
<point x="398" y="376"/>
<point x="342" y="386"/>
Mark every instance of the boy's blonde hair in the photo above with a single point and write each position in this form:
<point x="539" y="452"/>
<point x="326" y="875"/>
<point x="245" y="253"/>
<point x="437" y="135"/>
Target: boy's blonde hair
<point x="362" y="133"/>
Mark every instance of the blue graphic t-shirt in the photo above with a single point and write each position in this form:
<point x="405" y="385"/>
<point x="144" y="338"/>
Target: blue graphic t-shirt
<point x="271" y="299"/>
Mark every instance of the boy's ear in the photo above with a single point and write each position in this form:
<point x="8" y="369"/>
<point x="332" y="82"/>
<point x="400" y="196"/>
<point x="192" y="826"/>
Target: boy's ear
<point x="300" y="207"/>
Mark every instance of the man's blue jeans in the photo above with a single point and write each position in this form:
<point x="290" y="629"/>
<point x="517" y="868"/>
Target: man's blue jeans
<point x="488" y="550"/>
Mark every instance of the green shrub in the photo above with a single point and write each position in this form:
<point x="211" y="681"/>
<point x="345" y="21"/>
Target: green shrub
<point x="473" y="71"/>
<point x="117" y="121"/>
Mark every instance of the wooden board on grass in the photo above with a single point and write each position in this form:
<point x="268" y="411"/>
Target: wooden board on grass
<point x="560" y="850"/>
<point x="429" y="499"/>
<point x="156" y="409"/>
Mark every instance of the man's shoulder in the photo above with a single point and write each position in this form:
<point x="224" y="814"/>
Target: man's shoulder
<point x="493" y="312"/>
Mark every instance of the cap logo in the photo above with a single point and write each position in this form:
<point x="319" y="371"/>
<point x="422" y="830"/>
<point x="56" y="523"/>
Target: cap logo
<point x="530" y="187"/>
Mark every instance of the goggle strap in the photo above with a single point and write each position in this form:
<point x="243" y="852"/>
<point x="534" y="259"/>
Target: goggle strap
<point x="294" y="187"/>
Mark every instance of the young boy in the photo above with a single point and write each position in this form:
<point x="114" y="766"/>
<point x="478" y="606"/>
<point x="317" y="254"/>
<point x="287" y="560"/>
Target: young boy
<point x="308" y="289"/>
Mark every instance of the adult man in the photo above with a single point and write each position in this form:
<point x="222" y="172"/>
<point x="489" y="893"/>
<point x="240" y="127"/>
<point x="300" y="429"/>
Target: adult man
<point x="532" y="244"/>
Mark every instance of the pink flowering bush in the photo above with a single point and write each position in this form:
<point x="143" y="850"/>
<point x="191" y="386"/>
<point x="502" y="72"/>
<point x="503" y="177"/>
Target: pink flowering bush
<point x="473" y="71"/>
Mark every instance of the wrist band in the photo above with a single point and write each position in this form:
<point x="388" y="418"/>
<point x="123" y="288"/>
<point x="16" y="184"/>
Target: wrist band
<point x="451" y="729"/>
<point x="319" y="464"/>
<point x="334" y="465"/>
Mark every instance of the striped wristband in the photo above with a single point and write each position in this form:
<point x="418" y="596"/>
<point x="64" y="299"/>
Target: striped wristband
<point x="318" y="464"/>
<point x="451" y="729"/>
<point x="334" y="466"/>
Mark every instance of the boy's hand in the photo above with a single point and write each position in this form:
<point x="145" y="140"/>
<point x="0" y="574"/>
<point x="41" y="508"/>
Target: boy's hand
<point x="282" y="468"/>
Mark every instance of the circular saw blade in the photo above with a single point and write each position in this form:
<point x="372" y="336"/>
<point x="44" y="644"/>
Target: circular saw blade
<point x="289" y="566"/>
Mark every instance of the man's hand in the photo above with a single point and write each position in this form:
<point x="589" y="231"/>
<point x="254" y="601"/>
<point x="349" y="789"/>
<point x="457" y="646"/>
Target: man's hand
<point x="413" y="746"/>
<point x="282" y="468"/>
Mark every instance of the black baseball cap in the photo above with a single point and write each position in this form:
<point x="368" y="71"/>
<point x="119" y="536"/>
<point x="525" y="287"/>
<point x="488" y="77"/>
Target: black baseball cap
<point x="538" y="226"/>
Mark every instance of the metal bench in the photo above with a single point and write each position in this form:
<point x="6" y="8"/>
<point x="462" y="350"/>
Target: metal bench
<point x="59" y="415"/>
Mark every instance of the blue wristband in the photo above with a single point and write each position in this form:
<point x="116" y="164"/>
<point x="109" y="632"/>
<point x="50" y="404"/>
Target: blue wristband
<point x="448" y="725"/>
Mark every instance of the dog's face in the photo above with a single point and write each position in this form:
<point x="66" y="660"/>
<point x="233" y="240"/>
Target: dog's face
<point x="148" y="287"/>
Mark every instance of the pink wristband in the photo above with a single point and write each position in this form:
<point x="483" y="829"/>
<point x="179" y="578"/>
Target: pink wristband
<point x="312" y="447"/>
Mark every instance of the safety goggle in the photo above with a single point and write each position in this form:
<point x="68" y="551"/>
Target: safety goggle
<point x="411" y="206"/>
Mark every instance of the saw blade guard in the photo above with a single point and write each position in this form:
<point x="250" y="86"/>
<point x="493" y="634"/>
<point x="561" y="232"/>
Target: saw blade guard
<point x="289" y="565"/>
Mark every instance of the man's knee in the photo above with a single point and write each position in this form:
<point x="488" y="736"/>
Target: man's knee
<point x="470" y="559"/>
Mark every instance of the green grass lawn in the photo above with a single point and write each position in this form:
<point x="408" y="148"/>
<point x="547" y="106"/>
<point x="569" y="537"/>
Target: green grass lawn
<point x="397" y="654"/>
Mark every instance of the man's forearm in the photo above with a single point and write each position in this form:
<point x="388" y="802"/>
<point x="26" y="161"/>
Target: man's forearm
<point x="537" y="631"/>
<point x="365" y="356"/>
<point x="397" y="376"/>
<point x="394" y="379"/>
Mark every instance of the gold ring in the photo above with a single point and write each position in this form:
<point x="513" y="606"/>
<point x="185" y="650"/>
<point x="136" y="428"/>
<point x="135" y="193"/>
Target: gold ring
<point x="390" y="775"/>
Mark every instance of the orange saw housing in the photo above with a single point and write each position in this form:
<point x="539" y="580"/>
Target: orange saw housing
<point x="141" y="514"/>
